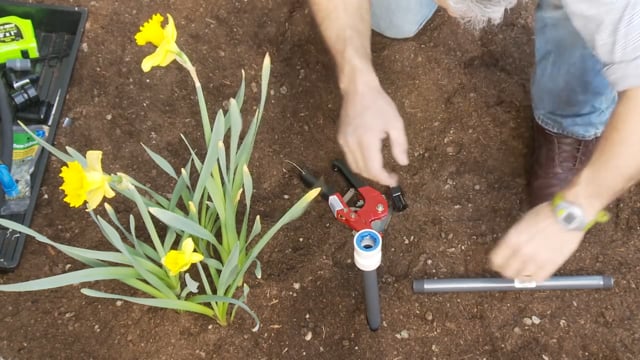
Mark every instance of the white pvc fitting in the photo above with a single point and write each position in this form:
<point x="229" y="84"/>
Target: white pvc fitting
<point x="367" y="249"/>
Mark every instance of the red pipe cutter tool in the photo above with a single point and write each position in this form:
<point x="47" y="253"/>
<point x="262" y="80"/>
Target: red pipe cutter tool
<point x="370" y="210"/>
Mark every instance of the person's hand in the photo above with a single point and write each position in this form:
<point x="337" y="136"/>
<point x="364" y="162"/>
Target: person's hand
<point x="535" y="247"/>
<point x="368" y="116"/>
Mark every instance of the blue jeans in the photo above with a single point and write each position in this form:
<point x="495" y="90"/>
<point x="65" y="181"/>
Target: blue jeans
<point x="569" y="92"/>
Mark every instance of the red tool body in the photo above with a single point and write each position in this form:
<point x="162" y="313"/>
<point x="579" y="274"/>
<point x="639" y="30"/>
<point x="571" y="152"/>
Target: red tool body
<point x="374" y="210"/>
<point x="371" y="210"/>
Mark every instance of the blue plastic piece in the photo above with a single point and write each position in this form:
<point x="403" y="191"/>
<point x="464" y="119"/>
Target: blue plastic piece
<point x="8" y="184"/>
<point x="368" y="240"/>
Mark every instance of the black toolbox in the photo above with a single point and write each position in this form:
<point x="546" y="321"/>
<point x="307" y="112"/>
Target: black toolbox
<point x="58" y="32"/>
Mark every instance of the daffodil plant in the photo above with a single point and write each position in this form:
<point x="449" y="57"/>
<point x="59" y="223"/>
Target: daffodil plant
<point x="206" y="219"/>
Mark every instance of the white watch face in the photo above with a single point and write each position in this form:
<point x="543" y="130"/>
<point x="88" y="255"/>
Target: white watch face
<point x="571" y="216"/>
<point x="569" y="219"/>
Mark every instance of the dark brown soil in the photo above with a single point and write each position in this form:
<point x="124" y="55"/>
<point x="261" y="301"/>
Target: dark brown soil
<point x="465" y="101"/>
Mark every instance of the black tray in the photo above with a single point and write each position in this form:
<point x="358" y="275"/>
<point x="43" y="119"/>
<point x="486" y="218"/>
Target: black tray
<point x="58" y="31"/>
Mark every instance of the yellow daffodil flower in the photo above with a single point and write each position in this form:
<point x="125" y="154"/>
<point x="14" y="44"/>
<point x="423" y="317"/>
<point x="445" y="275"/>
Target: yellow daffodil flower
<point x="90" y="184"/>
<point x="163" y="38"/>
<point x="177" y="261"/>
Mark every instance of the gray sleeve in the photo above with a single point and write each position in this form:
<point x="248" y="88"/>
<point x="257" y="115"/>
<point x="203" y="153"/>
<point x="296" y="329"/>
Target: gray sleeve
<point x="612" y="29"/>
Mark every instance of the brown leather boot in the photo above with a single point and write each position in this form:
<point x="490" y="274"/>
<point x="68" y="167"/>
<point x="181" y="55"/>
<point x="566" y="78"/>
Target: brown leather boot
<point x="556" y="160"/>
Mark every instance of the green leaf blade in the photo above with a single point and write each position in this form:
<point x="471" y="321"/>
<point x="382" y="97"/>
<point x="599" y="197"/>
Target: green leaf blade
<point x="161" y="162"/>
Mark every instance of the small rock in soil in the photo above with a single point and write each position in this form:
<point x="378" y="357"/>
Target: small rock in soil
<point x="536" y="320"/>
<point x="404" y="334"/>
<point x="428" y="315"/>
<point x="308" y="336"/>
<point x="453" y="149"/>
<point x="517" y="330"/>
<point x="563" y="323"/>
<point x="527" y="321"/>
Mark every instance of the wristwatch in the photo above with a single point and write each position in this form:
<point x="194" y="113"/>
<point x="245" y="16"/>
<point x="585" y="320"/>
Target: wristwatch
<point x="571" y="215"/>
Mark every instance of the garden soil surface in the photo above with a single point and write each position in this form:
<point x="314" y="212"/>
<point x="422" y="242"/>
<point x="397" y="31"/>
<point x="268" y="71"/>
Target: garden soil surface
<point x="465" y="101"/>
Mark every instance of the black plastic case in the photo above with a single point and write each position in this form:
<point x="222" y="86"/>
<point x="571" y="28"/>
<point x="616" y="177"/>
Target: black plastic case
<point x="58" y="31"/>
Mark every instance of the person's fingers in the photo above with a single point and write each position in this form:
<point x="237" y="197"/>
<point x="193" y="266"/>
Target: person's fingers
<point x="510" y="257"/>
<point x="529" y="270"/>
<point x="374" y="164"/>
<point x="516" y="266"/>
<point x="524" y="263"/>
<point x="501" y="254"/>
<point x="352" y="160"/>
<point x="541" y="265"/>
<point x="366" y="119"/>
<point x="399" y="144"/>
<point x="545" y="272"/>
<point x="351" y="152"/>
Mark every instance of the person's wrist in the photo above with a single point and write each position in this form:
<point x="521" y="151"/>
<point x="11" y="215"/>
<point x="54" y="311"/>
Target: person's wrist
<point x="356" y="76"/>
<point x="581" y="201"/>
<point x="586" y="196"/>
<point x="573" y="217"/>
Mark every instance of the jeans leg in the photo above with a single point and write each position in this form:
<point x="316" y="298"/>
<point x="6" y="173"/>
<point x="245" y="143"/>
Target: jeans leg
<point x="400" y="19"/>
<point x="570" y="94"/>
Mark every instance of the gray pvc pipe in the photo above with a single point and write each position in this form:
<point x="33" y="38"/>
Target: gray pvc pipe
<point x="501" y="284"/>
<point x="372" y="298"/>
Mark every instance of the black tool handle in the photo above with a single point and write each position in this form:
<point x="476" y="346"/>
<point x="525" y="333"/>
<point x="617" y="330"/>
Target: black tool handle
<point x="343" y="168"/>
<point x="311" y="182"/>
<point x="398" y="202"/>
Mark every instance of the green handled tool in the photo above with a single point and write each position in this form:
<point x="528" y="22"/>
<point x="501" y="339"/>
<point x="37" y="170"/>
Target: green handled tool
<point x="17" y="39"/>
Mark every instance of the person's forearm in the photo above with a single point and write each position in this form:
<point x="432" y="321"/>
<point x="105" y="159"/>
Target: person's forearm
<point x="615" y="165"/>
<point x="346" y="28"/>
